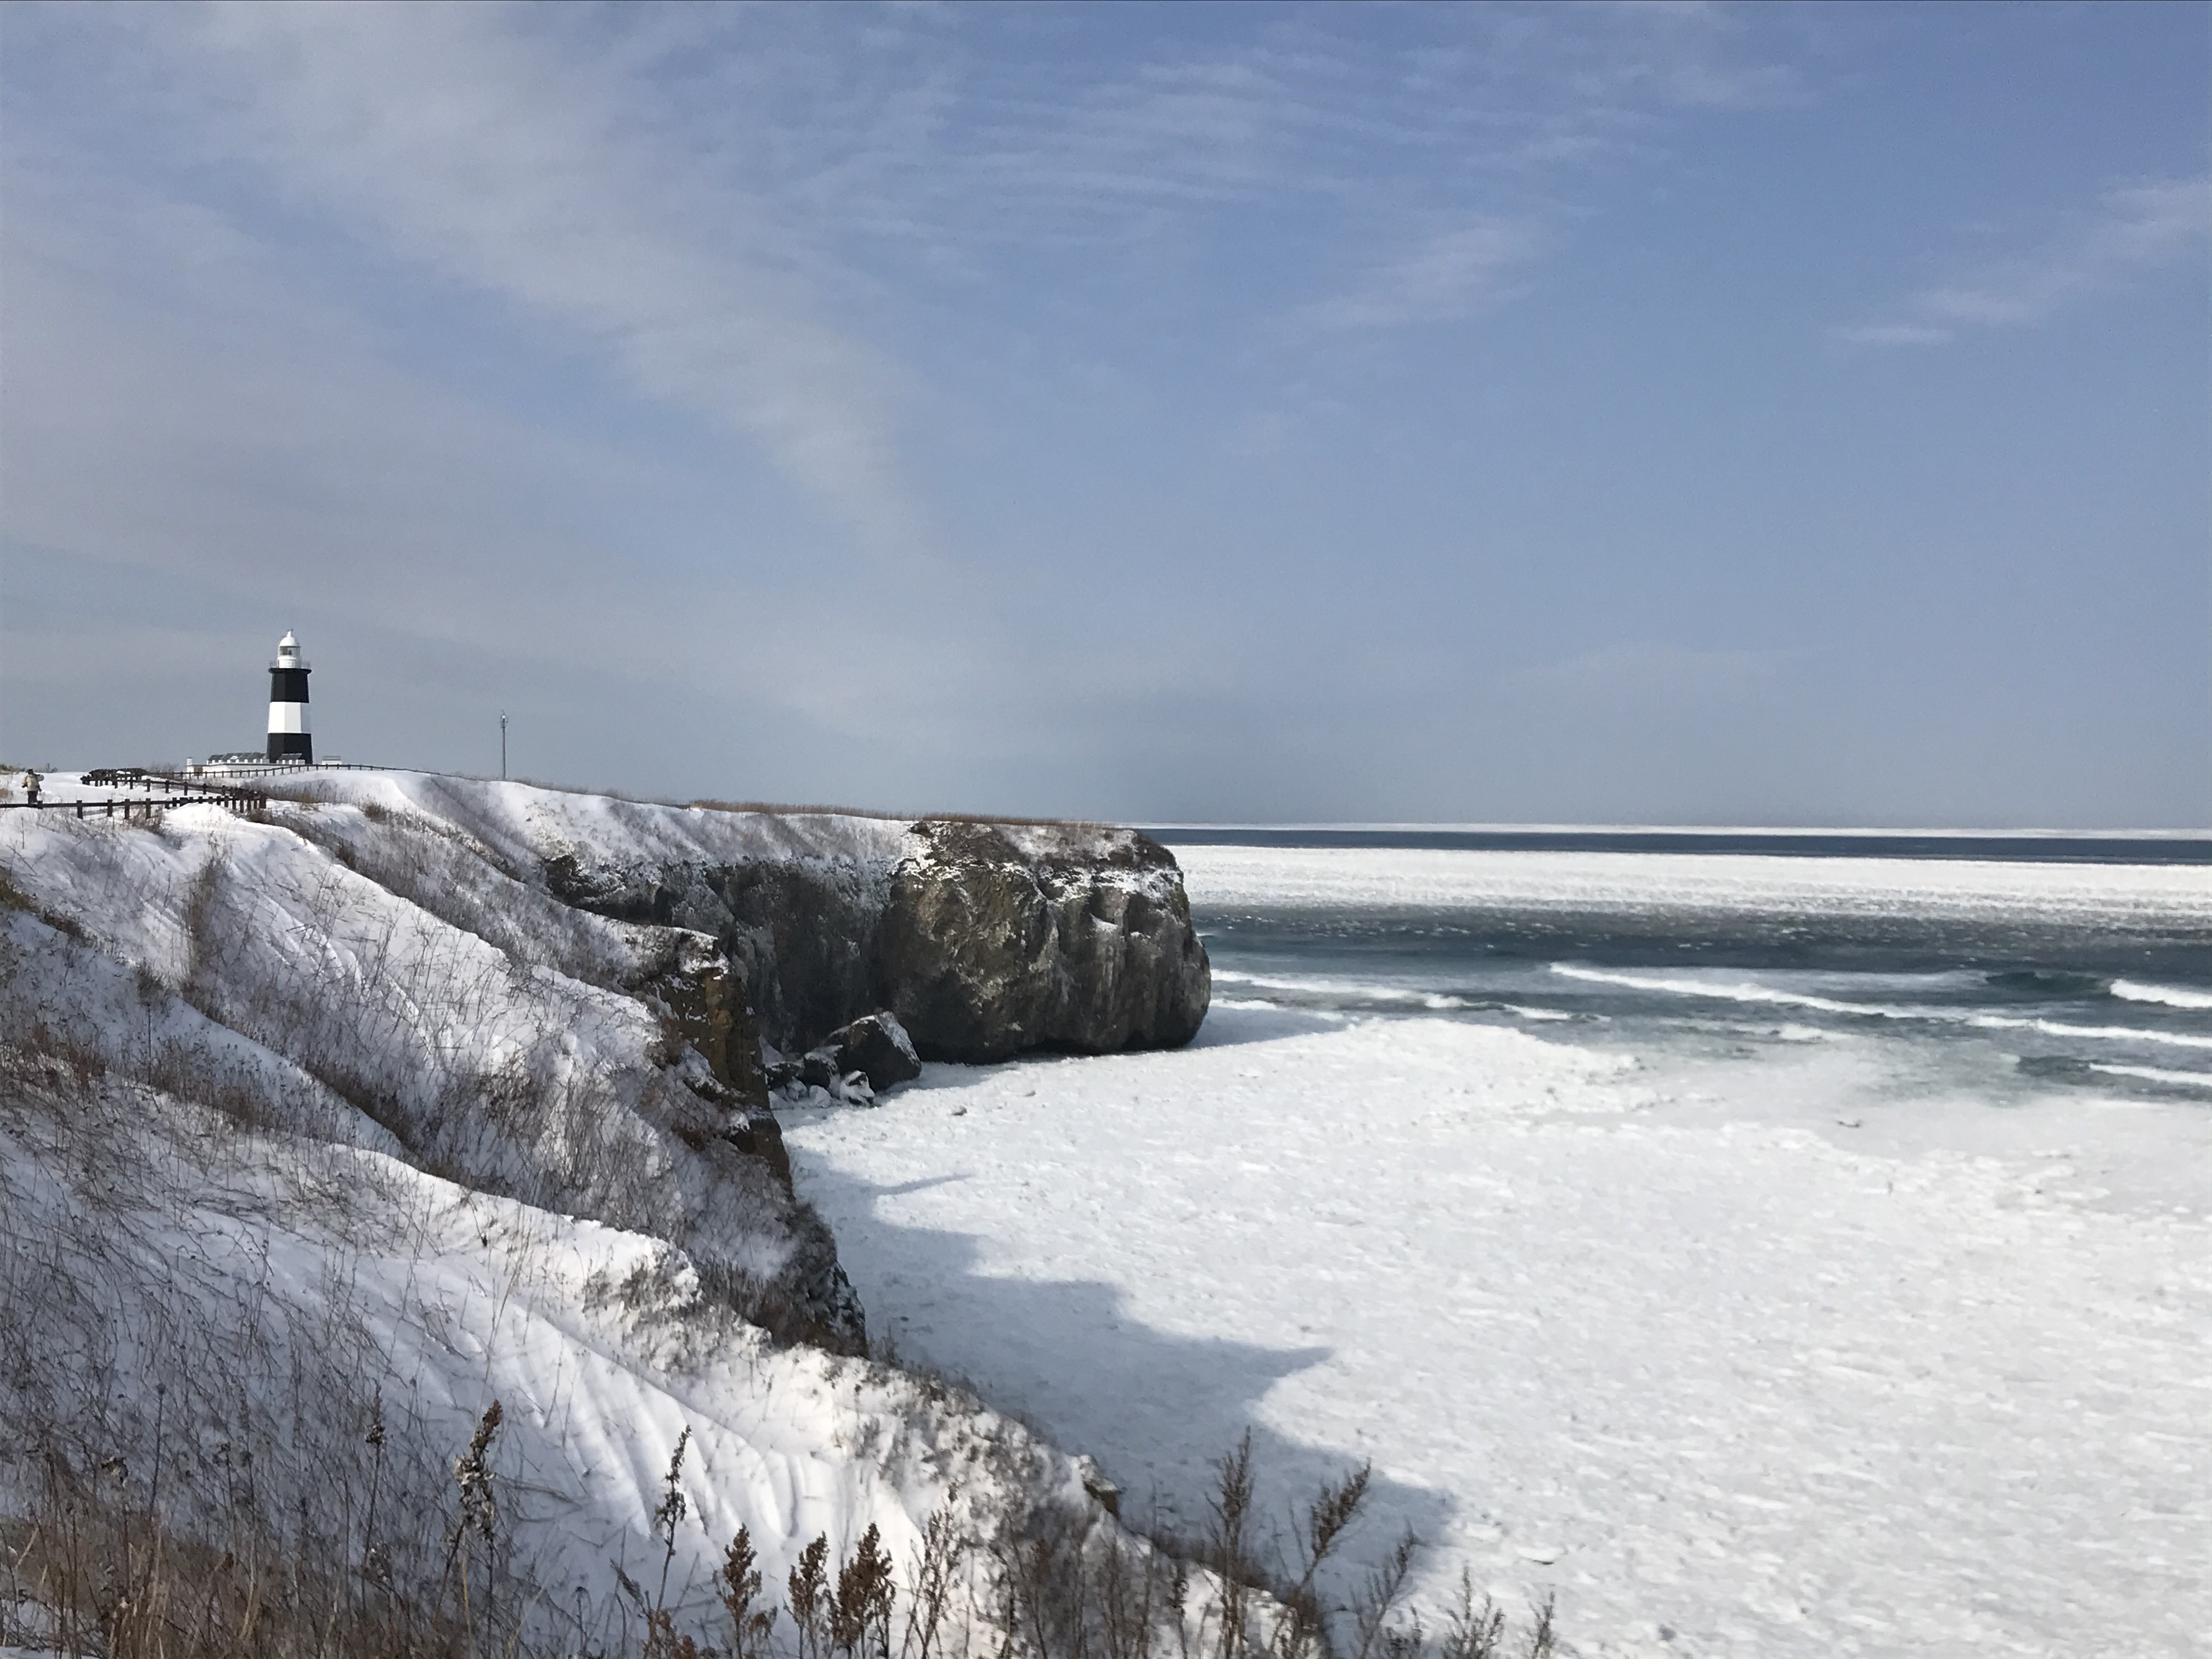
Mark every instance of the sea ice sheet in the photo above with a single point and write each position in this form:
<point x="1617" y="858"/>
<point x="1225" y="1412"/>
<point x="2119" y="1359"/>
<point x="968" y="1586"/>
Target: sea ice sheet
<point x="1731" y="1384"/>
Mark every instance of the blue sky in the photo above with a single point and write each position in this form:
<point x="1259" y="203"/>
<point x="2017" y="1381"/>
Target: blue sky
<point x="1654" y="413"/>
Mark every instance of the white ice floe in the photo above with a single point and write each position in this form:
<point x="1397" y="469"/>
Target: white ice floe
<point x="1358" y="991"/>
<point x="1622" y="884"/>
<point x="1732" y="1378"/>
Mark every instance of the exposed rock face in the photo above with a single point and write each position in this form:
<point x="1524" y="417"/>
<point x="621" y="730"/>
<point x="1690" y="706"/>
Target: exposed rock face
<point x="999" y="939"/>
<point x="801" y="932"/>
<point x="705" y="1003"/>
<point x="984" y="939"/>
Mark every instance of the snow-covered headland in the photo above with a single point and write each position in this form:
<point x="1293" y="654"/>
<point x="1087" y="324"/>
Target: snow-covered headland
<point x="326" y="1127"/>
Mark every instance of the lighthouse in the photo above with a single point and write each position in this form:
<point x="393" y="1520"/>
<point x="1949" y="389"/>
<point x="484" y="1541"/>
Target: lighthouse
<point x="289" y="737"/>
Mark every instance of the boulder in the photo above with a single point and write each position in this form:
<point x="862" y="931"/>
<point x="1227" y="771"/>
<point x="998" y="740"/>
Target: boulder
<point x="878" y="1045"/>
<point x="822" y="1080"/>
<point x="756" y="1132"/>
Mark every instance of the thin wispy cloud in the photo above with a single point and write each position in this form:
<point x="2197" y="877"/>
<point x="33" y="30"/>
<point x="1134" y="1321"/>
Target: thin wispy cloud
<point x="971" y="132"/>
<point x="717" y="203"/>
<point x="1894" y="334"/>
<point x="1447" y="277"/>
<point x="735" y="212"/>
<point x="460" y="138"/>
<point x="2134" y="228"/>
<point x="1056" y="392"/>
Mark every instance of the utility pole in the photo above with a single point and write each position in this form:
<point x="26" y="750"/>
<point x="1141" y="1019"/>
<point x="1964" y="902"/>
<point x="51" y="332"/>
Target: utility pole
<point x="502" y="746"/>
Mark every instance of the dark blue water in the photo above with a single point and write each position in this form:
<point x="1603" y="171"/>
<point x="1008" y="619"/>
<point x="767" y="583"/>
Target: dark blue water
<point x="2013" y="1001"/>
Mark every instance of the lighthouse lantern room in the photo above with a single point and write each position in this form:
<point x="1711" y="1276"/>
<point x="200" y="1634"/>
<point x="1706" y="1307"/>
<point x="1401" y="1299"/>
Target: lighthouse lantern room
<point x="289" y="737"/>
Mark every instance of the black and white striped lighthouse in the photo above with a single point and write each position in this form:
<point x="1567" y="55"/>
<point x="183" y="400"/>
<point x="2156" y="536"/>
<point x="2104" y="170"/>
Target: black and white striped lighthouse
<point x="289" y="737"/>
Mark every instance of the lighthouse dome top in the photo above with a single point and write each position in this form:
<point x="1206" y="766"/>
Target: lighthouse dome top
<point x="288" y="653"/>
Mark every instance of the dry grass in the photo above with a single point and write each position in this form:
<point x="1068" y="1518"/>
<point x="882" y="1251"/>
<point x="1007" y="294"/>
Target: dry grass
<point x="92" y="1571"/>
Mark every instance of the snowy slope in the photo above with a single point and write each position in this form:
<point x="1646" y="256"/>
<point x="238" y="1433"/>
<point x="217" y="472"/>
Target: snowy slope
<point x="521" y="825"/>
<point x="300" y="1109"/>
<point x="492" y="1066"/>
<point x="278" y="1291"/>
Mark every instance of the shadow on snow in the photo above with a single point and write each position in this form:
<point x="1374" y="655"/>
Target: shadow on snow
<point x="1155" y="1409"/>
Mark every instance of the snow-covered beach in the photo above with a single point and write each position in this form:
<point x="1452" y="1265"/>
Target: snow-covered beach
<point x="1760" y="1328"/>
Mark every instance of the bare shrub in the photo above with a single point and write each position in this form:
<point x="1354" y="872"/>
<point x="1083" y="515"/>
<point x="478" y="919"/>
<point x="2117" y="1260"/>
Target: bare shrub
<point x="98" y="1566"/>
<point x="738" y="1588"/>
<point x="932" y="1577"/>
<point x="860" y="1612"/>
<point x="808" y="1586"/>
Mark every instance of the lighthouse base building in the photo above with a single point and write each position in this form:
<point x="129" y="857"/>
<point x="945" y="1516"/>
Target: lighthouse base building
<point x="289" y="736"/>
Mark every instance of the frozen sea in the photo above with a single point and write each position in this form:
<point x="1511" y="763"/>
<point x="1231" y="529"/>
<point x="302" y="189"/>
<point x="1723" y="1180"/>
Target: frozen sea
<point x="1771" y="1245"/>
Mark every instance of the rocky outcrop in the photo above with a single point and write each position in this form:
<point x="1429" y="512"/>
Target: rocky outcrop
<point x="998" y="937"/>
<point x="613" y="967"/>
<point x="984" y="939"/>
<point x="800" y="931"/>
<point x="704" y="1004"/>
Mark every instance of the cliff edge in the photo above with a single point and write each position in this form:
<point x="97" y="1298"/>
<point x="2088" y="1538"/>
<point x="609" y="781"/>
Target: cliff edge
<point x="986" y="939"/>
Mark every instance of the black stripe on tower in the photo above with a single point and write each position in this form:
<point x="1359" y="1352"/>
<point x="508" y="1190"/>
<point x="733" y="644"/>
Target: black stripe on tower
<point x="292" y="745"/>
<point x="287" y="685"/>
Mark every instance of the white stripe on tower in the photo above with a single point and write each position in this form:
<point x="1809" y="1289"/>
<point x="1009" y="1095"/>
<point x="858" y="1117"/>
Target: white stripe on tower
<point x="288" y="705"/>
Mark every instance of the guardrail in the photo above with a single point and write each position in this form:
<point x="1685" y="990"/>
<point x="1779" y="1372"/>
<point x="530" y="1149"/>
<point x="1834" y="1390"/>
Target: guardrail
<point x="133" y="777"/>
<point x="278" y="769"/>
<point x="178" y="788"/>
<point x="237" y="800"/>
<point x="126" y="777"/>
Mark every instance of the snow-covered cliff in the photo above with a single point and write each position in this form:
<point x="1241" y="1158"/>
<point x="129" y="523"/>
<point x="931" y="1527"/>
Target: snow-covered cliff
<point x="986" y="939"/>
<point x="348" y="1112"/>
